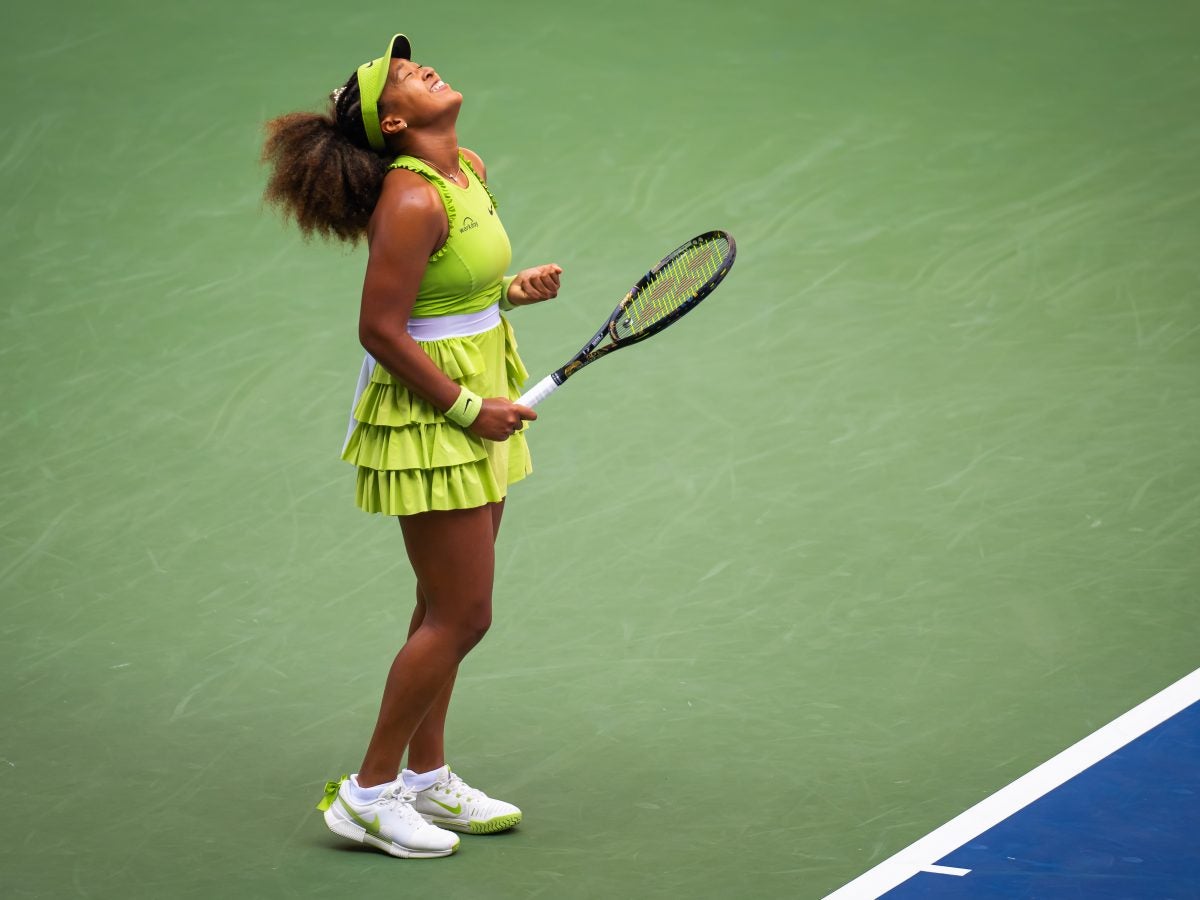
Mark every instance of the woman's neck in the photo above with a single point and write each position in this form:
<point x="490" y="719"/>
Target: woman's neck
<point x="439" y="148"/>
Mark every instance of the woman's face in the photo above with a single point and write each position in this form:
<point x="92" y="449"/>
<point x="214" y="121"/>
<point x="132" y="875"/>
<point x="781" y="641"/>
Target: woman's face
<point x="413" y="96"/>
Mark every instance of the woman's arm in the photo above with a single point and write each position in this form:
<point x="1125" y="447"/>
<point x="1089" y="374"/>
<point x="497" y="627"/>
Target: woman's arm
<point x="408" y="226"/>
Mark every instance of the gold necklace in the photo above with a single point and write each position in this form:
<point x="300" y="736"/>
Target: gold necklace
<point x="454" y="177"/>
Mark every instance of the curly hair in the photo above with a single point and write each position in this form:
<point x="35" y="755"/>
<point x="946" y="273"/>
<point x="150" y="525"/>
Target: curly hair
<point x="324" y="173"/>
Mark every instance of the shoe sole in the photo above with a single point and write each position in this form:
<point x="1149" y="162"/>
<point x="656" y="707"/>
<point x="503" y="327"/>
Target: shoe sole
<point x="475" y="826"/>
<point x="347" y="829"/>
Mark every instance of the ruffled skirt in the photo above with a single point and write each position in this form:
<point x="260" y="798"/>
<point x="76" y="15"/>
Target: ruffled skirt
<point x="411" y="459"/>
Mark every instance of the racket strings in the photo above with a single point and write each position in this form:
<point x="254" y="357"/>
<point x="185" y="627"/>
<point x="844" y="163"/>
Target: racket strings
<point x="673" y="286"/>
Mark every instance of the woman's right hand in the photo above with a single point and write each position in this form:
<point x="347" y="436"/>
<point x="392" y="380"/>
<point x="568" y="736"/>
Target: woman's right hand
<point x="500" y="419"/>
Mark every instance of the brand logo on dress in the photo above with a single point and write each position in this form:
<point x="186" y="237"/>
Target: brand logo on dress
<point x="467" y="225"/>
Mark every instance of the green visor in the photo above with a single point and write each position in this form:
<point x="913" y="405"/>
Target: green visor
<point x="372" y="77"/>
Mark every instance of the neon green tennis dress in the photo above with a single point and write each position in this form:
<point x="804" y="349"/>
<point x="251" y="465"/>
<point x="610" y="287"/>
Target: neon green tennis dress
<point x="410" y="458"/>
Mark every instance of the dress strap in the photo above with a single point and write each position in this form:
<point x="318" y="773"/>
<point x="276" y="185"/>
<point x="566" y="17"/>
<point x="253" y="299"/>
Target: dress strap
<point x="427" y="172"/>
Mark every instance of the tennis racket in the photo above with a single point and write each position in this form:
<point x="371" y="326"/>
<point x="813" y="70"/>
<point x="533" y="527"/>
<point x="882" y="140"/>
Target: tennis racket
<point x="675" y="286"/>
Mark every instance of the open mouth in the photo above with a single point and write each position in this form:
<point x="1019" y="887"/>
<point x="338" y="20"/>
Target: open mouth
<point x="437" y="86"/>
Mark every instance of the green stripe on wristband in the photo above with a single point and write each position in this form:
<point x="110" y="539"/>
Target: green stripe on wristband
<point x="466" y="408"/>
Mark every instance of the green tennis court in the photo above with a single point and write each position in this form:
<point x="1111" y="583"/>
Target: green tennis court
<point x="909" y="505"/>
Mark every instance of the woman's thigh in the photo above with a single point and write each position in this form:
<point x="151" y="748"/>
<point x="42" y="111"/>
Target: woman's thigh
<point x="453" y="555"/>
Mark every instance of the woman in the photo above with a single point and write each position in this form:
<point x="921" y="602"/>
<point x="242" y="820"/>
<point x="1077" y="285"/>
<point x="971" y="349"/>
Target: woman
<point x="435" y="435"/>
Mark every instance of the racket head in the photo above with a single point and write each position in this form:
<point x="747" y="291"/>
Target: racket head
<point x="674" y="287"/>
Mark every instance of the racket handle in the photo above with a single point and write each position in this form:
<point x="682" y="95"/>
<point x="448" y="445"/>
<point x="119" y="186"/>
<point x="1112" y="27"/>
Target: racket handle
<point x="539" y="392"/>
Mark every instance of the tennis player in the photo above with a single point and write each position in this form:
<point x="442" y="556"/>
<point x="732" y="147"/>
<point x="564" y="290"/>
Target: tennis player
<point x="434" y="433"/>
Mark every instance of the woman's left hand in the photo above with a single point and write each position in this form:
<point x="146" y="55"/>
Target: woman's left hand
<point x="535" y="285"/>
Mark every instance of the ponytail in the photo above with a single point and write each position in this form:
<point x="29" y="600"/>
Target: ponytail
<point x="323" y="172"/>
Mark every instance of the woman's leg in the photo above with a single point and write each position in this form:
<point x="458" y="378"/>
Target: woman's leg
<point x="427" y="749"/>
<point x="453" y="556"/>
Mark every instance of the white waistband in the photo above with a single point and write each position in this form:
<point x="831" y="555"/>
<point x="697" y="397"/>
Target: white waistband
<point x="438" y="328"/>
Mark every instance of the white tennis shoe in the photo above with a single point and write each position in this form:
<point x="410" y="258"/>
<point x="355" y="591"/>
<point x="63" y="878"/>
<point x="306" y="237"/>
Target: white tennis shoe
<point x="452" y="803"/>
<point x="389" y="823"/>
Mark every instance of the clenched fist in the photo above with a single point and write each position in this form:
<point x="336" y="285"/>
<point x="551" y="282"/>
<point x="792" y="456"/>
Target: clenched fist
<point x="535" y="285"/>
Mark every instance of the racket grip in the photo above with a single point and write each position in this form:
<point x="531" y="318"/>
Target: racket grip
<point x="539" y="392"/>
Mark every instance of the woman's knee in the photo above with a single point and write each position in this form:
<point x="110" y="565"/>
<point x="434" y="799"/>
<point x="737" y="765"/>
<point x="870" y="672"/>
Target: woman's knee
<point x="465" y="627"/>
<point x="476" y="626"/>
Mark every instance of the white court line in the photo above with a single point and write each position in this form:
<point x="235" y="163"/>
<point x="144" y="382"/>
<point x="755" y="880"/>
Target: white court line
<point x="993" y="810"/>
<point x="946" y="870"/>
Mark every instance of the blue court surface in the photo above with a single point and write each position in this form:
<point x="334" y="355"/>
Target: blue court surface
<point x="1115" y="816"/>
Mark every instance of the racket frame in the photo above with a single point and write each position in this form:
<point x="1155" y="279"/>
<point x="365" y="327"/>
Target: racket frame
<point x="592" y="351"/>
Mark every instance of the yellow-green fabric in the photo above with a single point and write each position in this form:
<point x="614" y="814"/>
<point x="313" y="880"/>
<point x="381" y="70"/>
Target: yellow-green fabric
<point x="466" y="274"/>
<point x="410" y="457"/>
